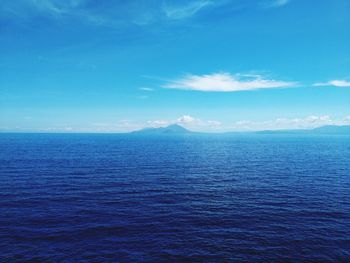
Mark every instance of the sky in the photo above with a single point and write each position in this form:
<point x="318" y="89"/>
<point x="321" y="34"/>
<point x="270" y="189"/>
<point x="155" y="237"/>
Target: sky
<point x="116" y="66"/>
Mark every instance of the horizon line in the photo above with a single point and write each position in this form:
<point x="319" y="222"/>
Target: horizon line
<point x="155" y="128"/>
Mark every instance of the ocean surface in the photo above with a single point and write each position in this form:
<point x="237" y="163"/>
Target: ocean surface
<point x="189" y="198"/>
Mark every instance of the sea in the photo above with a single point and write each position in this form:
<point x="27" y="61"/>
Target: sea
<point x="174" y="198"/>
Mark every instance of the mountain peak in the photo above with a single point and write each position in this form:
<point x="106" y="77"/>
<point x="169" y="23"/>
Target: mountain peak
<point x="171" y="129"/>
<point x="176" y="128"/>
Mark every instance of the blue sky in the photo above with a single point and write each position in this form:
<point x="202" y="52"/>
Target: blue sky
<point x="109" y="66"/>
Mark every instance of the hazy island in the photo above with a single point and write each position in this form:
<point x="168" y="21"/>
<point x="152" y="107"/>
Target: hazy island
<point x="176" y="129"/>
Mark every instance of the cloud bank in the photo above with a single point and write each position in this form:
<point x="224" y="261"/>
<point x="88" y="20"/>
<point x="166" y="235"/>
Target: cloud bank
<point x="195" y="124"/>
<point x="309" y="122"/>
<point x="226" y="82"/>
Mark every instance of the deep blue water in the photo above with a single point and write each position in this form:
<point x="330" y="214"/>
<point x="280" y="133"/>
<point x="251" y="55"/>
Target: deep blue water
<point x="86" y="197"/>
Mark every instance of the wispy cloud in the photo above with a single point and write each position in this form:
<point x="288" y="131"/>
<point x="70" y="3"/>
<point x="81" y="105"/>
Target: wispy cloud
<point x="157" y="123"/>
<point x="117" y="13"/>
<point x="173" y="11"/>
<point x="108" y="13"/>
<point x="146" y="89"/>
<point x="226" y="82"/>
<point x="334" y="83"/>
<point x="278" y="3"/>
<point x="27" y="8"/>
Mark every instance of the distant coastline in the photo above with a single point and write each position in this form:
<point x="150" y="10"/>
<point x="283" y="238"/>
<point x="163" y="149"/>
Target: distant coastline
<point x="178" y="129"/>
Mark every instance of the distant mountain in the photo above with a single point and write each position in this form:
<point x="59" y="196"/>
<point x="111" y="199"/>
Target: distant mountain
<point x="171" y="129"/>
<point x="329" y="129"/>
<point x="177" y="129"/>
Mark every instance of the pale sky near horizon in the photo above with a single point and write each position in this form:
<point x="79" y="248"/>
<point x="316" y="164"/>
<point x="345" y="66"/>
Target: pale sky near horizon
<point x="109" y="66"/>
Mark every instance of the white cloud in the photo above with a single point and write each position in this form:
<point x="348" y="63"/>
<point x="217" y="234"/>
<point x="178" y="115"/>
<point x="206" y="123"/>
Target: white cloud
<point x="182" y="11"/>
<point x="186" y="119"/>
<point x="214" y="123"/>
<point x="226" y="82"/>
<point x="334" y="83"/>
<point x="308" y="122"/>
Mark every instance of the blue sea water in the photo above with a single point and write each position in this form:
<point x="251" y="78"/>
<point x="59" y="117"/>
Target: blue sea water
<point x="123" y="198"/>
